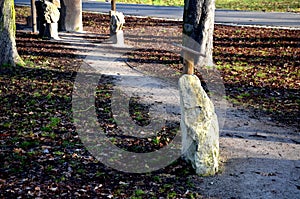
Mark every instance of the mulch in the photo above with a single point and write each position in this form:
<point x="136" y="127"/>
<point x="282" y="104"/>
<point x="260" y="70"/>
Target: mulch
<point x="41" y="153"/>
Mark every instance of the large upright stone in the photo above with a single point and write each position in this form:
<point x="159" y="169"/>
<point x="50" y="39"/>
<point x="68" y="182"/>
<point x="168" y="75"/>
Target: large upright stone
<point x="199" y="126"/>
<point x="48" y="16"/>
<point x="52" y="15"/>
<point x="117" y="21"/>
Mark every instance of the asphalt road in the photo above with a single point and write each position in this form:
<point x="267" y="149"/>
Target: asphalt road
<point x="291" y="20"/>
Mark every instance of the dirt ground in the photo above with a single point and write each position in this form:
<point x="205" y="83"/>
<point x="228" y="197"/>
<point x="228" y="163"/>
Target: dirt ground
<point x="259" y="157"/>
<point x="43" y="155"/>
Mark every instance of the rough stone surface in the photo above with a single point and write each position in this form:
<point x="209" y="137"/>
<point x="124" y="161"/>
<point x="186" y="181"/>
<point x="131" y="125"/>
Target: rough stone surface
<point x="199" y="126"/>
<point x="116" y="22"/>
<point x="48" y="17"/>
<point x="118" y="38"/>
<point x="52" y="29"/>
<point x="51" y="12"/>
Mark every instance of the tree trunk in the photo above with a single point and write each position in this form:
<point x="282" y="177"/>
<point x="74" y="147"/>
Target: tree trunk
<point x="198" y="27"/>
<point x="8" y="49"/>
<point x="71" y="16"/>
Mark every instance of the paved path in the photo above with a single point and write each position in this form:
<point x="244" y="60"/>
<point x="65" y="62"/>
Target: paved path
<point x="260" y="158"/>
<point x="290" y="20"/>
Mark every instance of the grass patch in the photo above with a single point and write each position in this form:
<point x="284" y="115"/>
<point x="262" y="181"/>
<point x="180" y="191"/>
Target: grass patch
<point x="260" y="5"/>
<point x="257" y="5"/>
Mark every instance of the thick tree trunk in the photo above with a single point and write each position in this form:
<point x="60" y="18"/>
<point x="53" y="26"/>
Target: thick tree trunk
<point x="8" y="49"/>
<point x="198" y="27"/>
<point x="71" y="16"/>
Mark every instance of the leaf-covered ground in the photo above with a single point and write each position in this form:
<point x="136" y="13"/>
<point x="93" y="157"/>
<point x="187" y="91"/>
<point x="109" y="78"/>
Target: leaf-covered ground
<point x="41" y="153"/>
<point x="259" y="66"/>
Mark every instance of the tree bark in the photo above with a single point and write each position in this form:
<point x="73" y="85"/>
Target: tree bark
<point x="8" y="50"/>
<point x="198" y="28"/>
<point x="71" y="16"/>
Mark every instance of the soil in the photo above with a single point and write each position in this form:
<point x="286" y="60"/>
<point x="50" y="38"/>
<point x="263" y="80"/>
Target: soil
<point x="42" y="153"/>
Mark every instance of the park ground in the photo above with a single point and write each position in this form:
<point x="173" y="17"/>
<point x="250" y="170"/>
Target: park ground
<point x="42" y="154"/>
<point x="257" y="5"/>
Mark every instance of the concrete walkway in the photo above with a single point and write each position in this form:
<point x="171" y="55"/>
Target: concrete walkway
<point x="286" y="20"/>
<point x="260" y="159"/>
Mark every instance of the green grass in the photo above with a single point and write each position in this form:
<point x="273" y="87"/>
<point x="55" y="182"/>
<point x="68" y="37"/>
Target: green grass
<point x="258" y="5"/>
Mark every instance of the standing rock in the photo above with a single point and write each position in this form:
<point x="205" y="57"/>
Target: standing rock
<point x="52" y="15"/>
<point x="117" y="21"/>
<point x="48" y="16"/>
<point x="199" y="127"/>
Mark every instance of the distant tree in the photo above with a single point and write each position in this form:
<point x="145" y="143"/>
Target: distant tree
<point x="8" y="50"/>
<point x="198" y="25"/>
